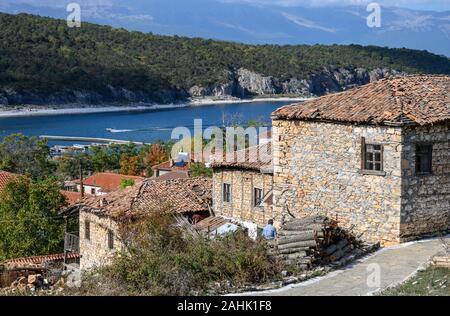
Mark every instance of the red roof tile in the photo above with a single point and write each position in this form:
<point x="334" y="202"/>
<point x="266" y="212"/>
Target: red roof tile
<point x="38" y="260"/>
<point x="258" y="158"/>
<point x="166" y="165"/>
<point x="178" y="196"/>
<point x="409" y="99"/>
<point x="72" y="197"/>
<point x="108" y="181"/>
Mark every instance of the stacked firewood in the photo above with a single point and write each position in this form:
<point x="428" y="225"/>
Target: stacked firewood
<point x="313" y="240"/>
<point x="441" y="261"/>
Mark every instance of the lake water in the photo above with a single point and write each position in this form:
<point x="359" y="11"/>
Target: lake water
<point x="141" y="126"/>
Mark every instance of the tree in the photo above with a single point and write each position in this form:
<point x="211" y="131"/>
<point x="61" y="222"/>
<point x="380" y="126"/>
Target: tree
<point x="29" y="221"/>
<point x="68" y="166"/>
<point x="200" y="170"/>
<point x="125" y="183"/>
<point x="129" y="165"/>
<point x="26" y="155"/>
<point x="156" y="155"/>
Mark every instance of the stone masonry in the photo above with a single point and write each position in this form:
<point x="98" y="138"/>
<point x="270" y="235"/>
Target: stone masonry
<point x="241" y="206"/>
<point x="317" y="170"/>
<point x="425" y="198"/>
<point x="95" y="252"/>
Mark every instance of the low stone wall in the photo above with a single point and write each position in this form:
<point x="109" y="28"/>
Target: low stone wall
<point x="241" y="205"/>
<point x="95" y="252"/>
<point x="317" y="171"/>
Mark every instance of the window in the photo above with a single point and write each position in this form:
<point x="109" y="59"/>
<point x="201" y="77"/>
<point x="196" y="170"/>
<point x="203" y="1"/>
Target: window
<point x="226" y="192"/>
<point x="110" y="239"/>
<point x="371" y="158"/>
<point x="257" y="196"/>
<point x="87" y="230"/>
<point x="424" y="159"/>
<point x="92" y="191"/>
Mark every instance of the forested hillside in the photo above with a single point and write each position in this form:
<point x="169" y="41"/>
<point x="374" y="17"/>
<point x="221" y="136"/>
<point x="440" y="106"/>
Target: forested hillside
<point x="43" y="61"/>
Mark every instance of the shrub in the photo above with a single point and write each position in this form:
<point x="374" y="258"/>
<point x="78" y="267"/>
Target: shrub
<point x="162" y="259"/>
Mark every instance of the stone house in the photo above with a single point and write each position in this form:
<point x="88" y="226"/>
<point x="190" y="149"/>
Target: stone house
<point x="242" y="186"/>
<point x="376" y="158"/>
<point x="101" y="217"/>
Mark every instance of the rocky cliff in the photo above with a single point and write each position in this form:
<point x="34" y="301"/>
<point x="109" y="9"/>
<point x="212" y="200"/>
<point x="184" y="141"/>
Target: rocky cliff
<point x="236" y="83"/>
<point x="243" y="83"/>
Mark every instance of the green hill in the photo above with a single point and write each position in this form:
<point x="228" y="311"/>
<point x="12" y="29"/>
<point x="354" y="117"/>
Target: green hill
<point x="44" y="61"/>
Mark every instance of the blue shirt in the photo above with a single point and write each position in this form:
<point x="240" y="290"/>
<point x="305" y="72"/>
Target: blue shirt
<point x="269" y="232"/>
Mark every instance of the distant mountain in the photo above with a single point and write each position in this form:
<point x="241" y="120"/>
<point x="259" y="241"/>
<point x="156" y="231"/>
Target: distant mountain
<point x="259" y="23"/>
<point x="43" y="61"/>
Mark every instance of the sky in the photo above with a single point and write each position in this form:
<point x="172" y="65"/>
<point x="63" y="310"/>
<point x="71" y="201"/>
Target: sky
<point x="436" y="5"/>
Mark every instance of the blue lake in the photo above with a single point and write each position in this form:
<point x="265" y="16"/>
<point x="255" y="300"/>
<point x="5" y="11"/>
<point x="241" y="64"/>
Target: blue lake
<point x="142" y="126"/>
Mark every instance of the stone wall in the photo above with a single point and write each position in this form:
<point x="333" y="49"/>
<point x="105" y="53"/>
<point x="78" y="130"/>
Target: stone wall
<point x="317" y="170"/>
<point x="241" y="205"/>
<point x="426" y="198"/>
<point x="95" y="252"/>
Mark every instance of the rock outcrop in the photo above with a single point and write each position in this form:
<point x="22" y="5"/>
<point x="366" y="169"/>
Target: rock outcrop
<point x="242" y="83"/>
<point x="235" y="83"/>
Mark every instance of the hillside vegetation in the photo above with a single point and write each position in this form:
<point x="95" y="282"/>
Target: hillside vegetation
<point x="42" y="56"/>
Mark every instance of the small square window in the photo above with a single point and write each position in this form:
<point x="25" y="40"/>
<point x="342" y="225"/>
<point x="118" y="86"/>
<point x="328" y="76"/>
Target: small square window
<point x="226" y="192"/>
<point x="87" y="230"/>
<point x="110" y="239"/>
<point x="257" y="197"/>
<point x="92" y="191"/>
<point x="424" y="159"/>
<point x="371" y="157"/>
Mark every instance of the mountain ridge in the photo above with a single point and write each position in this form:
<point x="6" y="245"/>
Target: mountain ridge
<point x="42" y="61"/>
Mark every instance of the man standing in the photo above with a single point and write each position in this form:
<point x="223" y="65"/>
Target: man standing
<point x="269" y="232"/>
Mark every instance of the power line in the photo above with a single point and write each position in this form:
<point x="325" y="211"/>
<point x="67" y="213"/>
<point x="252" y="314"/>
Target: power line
<point x="37" y="219"/>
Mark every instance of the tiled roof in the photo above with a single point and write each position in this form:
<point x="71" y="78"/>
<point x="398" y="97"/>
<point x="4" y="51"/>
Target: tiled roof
<point x="257" y="158"/>
<point x="108" y="181"/>
<point x="5" y="178"/>
<point x="38" y="260"/>
<point x="166" y="165"/>
<point x="72" y="197"/>
<point x="178" y="195"/>
<point x="410" y="99"/>
<point x="211" y="223"/>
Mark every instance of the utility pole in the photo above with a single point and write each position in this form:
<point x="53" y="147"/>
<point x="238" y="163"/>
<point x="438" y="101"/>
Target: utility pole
<point x="81" y="179"/>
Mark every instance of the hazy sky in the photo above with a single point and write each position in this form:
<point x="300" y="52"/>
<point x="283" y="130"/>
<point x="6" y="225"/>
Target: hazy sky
<point x="440" y="5"/>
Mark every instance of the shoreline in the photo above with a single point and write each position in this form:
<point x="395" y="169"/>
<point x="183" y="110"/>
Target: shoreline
<point x="86" y="109"/>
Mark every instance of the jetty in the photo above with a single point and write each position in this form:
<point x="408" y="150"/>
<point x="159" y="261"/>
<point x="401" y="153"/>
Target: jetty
<point x="92" y="140"/>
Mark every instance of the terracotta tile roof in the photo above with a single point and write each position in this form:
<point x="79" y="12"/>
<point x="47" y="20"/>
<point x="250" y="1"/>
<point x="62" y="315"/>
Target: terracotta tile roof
<point x="257" y="158"/>
<point x="5" y="178"/>
<point x="166" y="165"/>
<point x="178" y="195"/>
<point x="72" y="197"/>
<point x="108" y="181"/>
<point x="409" y="99"/>
<point x="211" y="223"/>
<point x="38" y="260"/>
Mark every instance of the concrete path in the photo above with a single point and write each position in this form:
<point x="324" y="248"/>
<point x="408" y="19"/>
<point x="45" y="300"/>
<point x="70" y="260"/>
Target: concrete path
<point x="395" y="265"/>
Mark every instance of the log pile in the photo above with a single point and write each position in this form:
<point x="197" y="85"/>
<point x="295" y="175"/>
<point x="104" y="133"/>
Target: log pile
<point x="441" y="261"/>
<point x="309" y="241"/>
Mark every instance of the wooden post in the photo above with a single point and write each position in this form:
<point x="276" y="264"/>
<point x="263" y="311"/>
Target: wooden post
<point x="66" y="225"/>
<point x="81" y="180"/>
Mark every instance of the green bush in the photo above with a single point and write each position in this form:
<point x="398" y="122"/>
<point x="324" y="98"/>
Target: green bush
<point x="161" y="259"/>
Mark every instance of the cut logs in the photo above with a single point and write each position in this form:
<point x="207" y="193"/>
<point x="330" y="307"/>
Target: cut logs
<point x="313" y="240"/>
